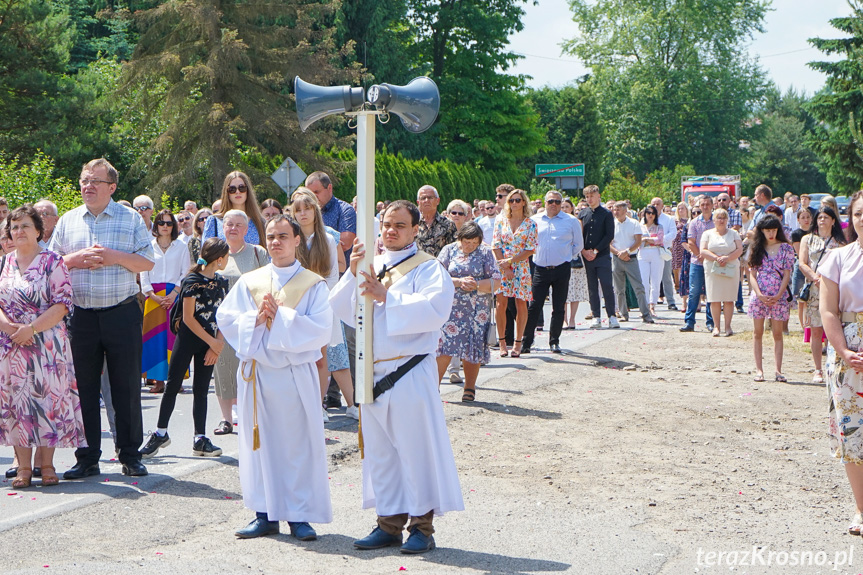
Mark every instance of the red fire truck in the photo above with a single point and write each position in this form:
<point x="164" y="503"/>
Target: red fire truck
<point x="710" y="186"/>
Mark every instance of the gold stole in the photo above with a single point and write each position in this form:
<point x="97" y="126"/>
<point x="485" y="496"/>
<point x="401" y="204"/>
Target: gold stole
<point x="260" y="282"/>
<point x="395" y="274"/>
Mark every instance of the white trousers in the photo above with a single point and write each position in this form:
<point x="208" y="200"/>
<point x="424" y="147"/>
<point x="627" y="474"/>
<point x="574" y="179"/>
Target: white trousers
<point x="651" y="266"/>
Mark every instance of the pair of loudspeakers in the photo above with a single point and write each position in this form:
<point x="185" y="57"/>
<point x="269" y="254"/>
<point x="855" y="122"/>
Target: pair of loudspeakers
<point x="416" y="104"/>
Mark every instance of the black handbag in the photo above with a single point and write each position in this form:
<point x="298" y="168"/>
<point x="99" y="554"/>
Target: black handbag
<point x="805" y="291"/>
<point x="577" y="263"/>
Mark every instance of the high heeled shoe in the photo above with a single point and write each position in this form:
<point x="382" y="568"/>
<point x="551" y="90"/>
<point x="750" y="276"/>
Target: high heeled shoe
<point x="503" y="350"/>
<point x="516" y="348"/>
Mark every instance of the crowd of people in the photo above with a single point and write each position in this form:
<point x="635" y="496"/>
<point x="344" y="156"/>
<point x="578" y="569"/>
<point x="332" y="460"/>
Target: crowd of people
<point x="109" y="298"/>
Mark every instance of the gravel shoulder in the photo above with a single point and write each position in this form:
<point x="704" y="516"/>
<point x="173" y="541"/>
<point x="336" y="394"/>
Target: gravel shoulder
<point x="642" y="453"/>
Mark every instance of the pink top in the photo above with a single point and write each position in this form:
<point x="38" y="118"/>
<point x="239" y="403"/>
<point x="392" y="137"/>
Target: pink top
<point x="845" y="267"/>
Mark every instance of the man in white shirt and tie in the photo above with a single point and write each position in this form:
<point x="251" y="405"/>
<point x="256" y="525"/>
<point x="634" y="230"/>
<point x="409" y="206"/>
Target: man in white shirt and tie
<point x="559" y="241"/>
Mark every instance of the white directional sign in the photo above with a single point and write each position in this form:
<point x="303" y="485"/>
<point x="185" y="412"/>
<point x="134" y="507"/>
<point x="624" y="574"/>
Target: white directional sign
<point x="289" y="176"/>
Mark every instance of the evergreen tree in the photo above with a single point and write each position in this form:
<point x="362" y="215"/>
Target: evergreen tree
<point x="227" y="67"/>
<point x="839" y="105"/>
<point x="35" y="38"/>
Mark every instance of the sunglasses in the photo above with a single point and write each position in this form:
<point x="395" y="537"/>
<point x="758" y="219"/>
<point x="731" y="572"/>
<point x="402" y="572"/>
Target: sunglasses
<point x="170" y="224"/>
<point x="456" y="213"/>
<point x="553" y="201"/>
<point x="181" y="220"/>
<point x="234" y="189"/>
<point x="515" y="200"/>
<point x="499" y="196"/>
<point x="143" y="208"/>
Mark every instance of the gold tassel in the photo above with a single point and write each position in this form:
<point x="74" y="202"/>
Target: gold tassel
<point x="256" y="434"/>
<point x="360" y="433"/>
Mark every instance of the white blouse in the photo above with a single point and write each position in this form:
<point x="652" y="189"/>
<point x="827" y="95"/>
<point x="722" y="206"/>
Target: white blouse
<point x="171" y="266"/>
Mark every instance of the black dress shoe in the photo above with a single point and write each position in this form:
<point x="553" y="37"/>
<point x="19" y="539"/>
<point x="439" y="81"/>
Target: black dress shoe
<point x="11" y="472"/>
<point x="82" y="470"/>
<point x="525" y="349"/>
<point x="555" y="348"/>
<point x="672" y="307"/>
<point x="135" y="469"/>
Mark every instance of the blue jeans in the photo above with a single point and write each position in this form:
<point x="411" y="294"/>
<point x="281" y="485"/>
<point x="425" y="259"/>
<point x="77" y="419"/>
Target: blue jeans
<point x="696" y="290"/>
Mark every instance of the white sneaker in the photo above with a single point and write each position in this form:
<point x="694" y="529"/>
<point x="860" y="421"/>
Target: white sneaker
<point x="613" y="323"/>
<point x="455" y="378"/>
<point x="353" y="412"/>
<point x="596" y="323"/>
<point x="326" y="415"/>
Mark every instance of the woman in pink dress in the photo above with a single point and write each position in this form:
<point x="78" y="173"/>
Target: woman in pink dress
<point x="38" y="392"/>
<point x="771" y="259"/>
<point x="514" y="242"/>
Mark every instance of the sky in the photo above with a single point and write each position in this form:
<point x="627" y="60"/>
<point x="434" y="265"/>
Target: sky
<point x="782" y="49"/>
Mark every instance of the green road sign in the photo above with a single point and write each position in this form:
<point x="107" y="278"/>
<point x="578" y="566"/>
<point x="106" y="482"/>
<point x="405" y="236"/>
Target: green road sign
<point x="559" y="170"/>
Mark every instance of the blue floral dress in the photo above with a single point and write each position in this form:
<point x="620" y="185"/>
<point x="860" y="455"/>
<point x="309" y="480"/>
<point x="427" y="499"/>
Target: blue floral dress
<point x="465" y="334"/>
<point x="512" y="244"/>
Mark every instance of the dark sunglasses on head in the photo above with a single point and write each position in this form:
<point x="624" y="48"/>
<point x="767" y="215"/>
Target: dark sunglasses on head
<point x="163" y="223"/>
<point x="553" y="201"/>
<point x="515" y="200"/>
<point x="241" y="188"/>
<point x="454" y="213"/>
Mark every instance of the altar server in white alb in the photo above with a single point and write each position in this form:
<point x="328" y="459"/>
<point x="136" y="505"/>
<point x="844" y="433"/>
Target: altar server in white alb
<point x="278" y="319"/>
<point x="409" y="472"/>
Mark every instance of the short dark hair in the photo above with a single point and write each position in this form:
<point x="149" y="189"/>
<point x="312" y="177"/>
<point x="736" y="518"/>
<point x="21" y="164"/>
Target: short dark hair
<point x="321" y="177"/>
<point x="469" y="231"/>
<point x="175" y="232"/>
<point x="764" y="190"/>
<point x="295" y="227"/>
<point x="26" y="210"/>
<point x="411" y="207"/>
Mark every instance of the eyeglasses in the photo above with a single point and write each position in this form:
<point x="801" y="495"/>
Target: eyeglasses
<point x="169" y="223"/>
<point x="234" y="189"/>
<point x="553" y="201"/>
<point x="515" y="200"/>
<point x="454" y="213"/>
<point x="143" y="208"/>
<point x="181" y="220"/>
<point x="93" y="182"/>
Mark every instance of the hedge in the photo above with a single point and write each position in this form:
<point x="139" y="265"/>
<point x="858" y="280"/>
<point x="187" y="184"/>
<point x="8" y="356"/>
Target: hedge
<point x="399" y="178"/>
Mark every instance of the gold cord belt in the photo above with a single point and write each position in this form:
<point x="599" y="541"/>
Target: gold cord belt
<point x="256" y="434"/>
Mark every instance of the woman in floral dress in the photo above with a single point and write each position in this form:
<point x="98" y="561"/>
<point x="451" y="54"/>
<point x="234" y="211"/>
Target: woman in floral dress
<point x="679" y="255"/>
<point x="465" y="335"/>
<point x="38" y="391"/>
<point x="514" y="242"/>
<point x="771" y="259"/>
<point x="842" y="314"/>
<point x="577" y="279"/>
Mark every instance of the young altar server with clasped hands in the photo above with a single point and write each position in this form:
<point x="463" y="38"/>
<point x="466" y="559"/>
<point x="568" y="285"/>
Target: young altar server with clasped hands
<point x="409" y="472"/>
<point x="278" y="319"/>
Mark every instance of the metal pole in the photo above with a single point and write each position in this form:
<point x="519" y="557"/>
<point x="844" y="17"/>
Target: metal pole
<point x="366" y="234"/>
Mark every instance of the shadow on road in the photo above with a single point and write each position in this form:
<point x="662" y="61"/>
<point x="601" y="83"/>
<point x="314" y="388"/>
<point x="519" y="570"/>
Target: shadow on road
<point x="334" y="544"/>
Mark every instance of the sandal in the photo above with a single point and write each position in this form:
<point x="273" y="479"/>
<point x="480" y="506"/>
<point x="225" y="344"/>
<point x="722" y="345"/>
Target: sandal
<point x="781" y="378"/>
<point x="468" y="395"/>
<point x="516" y="349"/>
<point x="856" y="526"/>
<point x="503" y="351"/>
<point x="49" y="476"/>
<point x="23" y="478"/>
<point x="715" y="332"/>
<point x="224" y="428"/>
<point x="158" y="387"/>
<point x="759" y="377"/>
<point x="728" y="333"/>
<point x="818" y="376"/>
